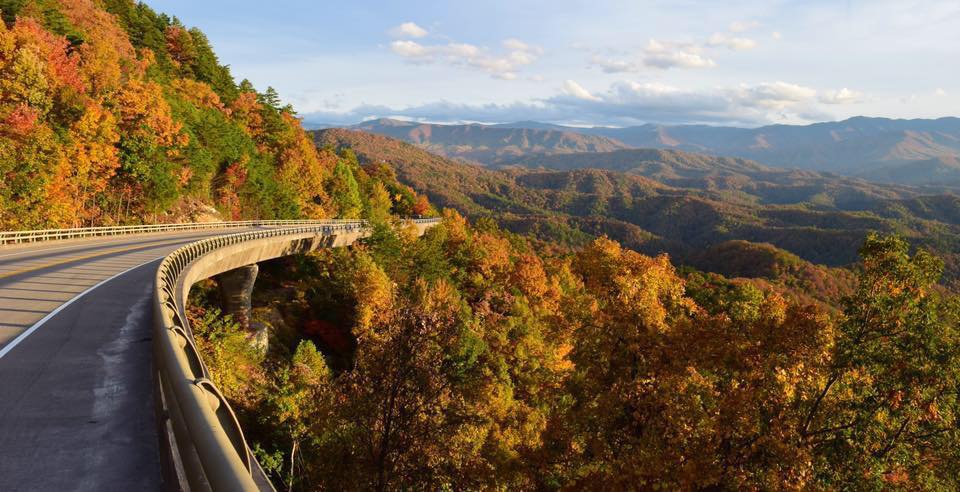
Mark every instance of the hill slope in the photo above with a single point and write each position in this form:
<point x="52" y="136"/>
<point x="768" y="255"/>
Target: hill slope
<point x="732" y="176"/>
<point x="113" y="113"/>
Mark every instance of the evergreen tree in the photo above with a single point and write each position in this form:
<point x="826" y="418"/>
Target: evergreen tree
<point x="270" y="98"/>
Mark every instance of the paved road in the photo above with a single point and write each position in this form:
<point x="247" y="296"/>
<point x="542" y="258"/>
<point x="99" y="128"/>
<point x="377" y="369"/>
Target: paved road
<point x="76" y="391"/>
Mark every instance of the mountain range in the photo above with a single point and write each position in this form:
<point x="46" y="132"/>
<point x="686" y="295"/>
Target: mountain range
<point x="490" y="144"/>
<point x="913" y="152"/>
<point x="689" y="205"/>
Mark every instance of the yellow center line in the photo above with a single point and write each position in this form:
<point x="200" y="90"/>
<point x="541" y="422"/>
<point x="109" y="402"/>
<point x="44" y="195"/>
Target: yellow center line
<point x="73" y="259"/>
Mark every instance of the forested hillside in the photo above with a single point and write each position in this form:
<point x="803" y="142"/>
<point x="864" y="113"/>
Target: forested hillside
<point x="755" y="181"/>
<point x="470" y="360"/>
<point x="112" y="113"/>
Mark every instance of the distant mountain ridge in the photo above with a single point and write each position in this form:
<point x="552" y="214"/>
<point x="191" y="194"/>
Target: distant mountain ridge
<point x="489" y="144"/>
<point x="875" y="148"/>
<point x="913" y="152"/>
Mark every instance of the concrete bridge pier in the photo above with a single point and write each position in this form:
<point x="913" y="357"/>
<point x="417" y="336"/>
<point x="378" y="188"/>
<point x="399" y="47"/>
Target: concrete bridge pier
<point x="236" y="289"/>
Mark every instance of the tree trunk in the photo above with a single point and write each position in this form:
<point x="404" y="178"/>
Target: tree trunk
<point x="293" y="457"/>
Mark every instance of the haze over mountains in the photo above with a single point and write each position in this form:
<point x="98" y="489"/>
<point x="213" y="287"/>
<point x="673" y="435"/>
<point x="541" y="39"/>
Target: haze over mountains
<point x="914" y="152"/>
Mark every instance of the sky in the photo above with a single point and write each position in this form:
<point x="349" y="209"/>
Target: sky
<point x="592" y="62"/>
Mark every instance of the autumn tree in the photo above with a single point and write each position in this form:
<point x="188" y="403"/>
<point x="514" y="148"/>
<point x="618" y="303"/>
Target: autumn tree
<point x="345" y="192"/>
<point x="83" y="174"/>
<point x="667" y="394"/>
<point x="150" y="144"/>
<point x="885" y="413"/>
<point x="299" y="401"/>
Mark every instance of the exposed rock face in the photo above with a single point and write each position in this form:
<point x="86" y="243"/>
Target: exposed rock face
<point x="259" y="336"/>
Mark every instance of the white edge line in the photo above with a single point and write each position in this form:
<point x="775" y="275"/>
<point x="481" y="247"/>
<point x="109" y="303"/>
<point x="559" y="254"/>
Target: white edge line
<point x="21" y="337"/>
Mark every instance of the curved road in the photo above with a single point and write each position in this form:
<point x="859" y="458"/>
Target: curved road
<point x="76" y="388"/>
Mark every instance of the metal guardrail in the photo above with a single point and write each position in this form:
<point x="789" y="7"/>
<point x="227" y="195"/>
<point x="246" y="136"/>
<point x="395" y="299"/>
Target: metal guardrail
<point x="15" y="237"/>
<point x="209" y="444"/>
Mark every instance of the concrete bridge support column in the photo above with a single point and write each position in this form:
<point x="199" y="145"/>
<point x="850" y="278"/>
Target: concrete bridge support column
<point x="236" y="288"/>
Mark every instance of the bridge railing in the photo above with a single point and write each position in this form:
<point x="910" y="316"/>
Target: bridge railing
<point x="208" y="447"/>
<point x="14" y="237"/>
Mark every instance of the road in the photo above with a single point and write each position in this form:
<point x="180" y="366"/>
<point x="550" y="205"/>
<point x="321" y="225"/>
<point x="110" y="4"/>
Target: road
<point x="76" y="388"/>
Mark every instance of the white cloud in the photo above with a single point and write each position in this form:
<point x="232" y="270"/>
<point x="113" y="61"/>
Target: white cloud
<point x="576" y="90"/>
<point x="514" y="44"/>
<point x="842" y="96"/>
<point x="610" y="65"/>
<point x="772" y="95"/>
<point x="743" y="26"/>
<point x="776" y="35"/>
<point x="731" y="42"/>
<point x="409" y="49"/>
<point x="461" y="50"/>
<point x="408" y="30"/>
<point x="678" y="59"/>
<point x="504" y="66"/>
<point x="939" y="92"/>
<point x="665" y="55"/>
<point x="627" y="90"/>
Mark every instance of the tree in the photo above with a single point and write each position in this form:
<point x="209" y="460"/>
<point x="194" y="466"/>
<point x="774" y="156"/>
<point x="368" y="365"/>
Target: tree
<point x="270" y="98"/>
<point x="378" y="206"/>
<point x="345" y="192"/>
<point x="181" y="48"/>
<point x="299" y="401"/>
<point x="421" y="206"/>
<point x="84" y="173"/>
<point x="886" y="413"/>
<point x="668" y="395"/>
<point x="403" y="404"/>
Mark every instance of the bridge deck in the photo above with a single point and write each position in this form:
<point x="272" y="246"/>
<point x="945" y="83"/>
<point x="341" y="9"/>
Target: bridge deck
<point x="76" y="394"/>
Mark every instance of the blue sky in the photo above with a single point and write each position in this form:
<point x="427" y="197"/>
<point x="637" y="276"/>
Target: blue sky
<point x="598" y="62"/>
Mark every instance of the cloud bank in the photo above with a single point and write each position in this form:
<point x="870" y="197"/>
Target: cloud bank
<point x="626" y="103"/>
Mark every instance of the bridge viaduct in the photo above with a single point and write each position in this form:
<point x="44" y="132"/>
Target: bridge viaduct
<point x="101" y="387"/>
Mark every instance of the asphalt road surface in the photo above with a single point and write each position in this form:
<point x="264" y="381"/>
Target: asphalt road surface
<point x="76" y="388"/>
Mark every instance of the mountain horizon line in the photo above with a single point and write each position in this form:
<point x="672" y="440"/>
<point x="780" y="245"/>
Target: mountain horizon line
<point x="536" y="124"/>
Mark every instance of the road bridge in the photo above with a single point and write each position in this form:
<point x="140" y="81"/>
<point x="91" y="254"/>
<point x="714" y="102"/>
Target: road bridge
<point x="100" y="388"/>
